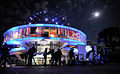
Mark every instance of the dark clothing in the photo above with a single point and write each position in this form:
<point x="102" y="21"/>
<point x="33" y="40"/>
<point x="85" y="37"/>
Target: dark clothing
<point x="26" y="58"/>
<point x="52" y="56"/>
<point x="58" y="57"/>
<point x="88" y="54"/>
<point x="51" y="52"/>
<point x="45" y="56"/>
<point x="31" y="54"/>
<point x="71" y="57"/>
<point x="31" y="51"/>
<point x="71" y="54"/>
<point x="5" y="55"/>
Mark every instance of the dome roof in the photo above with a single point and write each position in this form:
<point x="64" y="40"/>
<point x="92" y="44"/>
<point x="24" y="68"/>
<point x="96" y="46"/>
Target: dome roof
<point x="47" y="17"/>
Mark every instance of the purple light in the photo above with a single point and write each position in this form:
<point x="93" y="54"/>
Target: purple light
<point x="45" y="11"/>
<point x="56" y="23"/>
<point x="34" y="15"/>
<point x="29" y="23"/>
<point x="31" y="18"/>
<point x="68" y="23"/>
<point x="50" y="25"/>
<point x="53" y="20"/>
<point x="46" y="19"/>
<point x="37" y="13"/>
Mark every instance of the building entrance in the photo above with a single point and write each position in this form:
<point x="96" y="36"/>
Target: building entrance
<point x="39" y="58"/>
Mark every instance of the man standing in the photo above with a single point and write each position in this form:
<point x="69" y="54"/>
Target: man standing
<point x="58" y="55"/>
<point x="31" y="52"/>
<point x="52" y="55"/>
<point x="71" y="56"/>
<point x="45" y="56"/>
<point x="5" y="55"/>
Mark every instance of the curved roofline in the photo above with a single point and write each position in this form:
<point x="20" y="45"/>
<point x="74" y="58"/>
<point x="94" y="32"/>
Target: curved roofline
<point x="18" y="41"/>
<point x="47" y="25"/>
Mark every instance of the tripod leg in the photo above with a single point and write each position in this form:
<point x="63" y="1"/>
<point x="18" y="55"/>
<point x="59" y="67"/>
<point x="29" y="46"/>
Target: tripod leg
<point x="34" y="61"/>
<point x="2" y="62"/>
<point x="9" y="61"/>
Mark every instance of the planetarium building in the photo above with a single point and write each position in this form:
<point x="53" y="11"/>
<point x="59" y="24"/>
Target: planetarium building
<point x="50" y="30"/>
<point x="50" y="36"/>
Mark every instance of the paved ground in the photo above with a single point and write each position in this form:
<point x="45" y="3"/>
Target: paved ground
<point x="77" y="69"/>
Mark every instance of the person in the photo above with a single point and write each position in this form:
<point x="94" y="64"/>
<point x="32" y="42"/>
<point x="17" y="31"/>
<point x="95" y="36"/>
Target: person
<point x="71" y="57"/>
<point x="93" y="53"/>
<point x="52" y="55"/>
<point x="58" y="55"/>
<point x="93" y="56"/>
<point x="101" y="55"/>
<point x="88" y="54"/>
<point x="26" y="58"/>
<point x="45" y="56"/>
<point x="77" y="58"/>
<point x="31" y="52"/>
<point x="5" y="55"/>
<point x="64" y="61"/>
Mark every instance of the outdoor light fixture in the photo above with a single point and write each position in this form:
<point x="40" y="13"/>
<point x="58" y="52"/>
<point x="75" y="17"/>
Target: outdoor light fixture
<point x="46" y="19"/>
<point x="53" y="20"/>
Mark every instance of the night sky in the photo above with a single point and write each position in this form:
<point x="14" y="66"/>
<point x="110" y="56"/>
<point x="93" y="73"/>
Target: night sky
<point x="78" y="12"/>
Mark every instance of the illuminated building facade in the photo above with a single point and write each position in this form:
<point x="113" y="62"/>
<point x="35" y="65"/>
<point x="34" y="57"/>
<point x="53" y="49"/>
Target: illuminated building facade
<point x="49" y="36"/>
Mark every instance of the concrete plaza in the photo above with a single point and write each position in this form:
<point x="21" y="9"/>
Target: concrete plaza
<point x="76" y="69"/>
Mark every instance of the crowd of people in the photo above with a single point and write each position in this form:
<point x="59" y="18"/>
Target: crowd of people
<point x="28" y="56"/>
<point x="55" y="56"/>
<point x="6" y="58"/>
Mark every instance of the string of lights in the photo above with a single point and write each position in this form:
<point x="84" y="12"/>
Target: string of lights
<point x="47" y="17"/>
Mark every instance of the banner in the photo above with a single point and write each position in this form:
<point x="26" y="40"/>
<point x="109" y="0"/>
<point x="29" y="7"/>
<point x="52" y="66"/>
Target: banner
<point x="66" y="32"/>
<point x="70" y="33"/>
<point x="28" y="31"/>
<point x="78" y="36"/>
<point x="11" y="34"/>
<point x="7" y="37"/>
<point x="75" y="35"/>
<point x="16" y="34"/>
<point x="20" y="33"/>
<point x="59" y="31"/>
<point x="62" y="32"/>
<point x="38" y="30"/>
<point x="23" y="31"/>
<point x="53" y="31"/>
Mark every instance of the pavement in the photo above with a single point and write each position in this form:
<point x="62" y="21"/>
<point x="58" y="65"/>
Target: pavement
<point x="76" y="69"/>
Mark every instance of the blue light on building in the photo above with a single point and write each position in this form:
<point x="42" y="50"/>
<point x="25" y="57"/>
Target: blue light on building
<point x="21" y="34"/>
